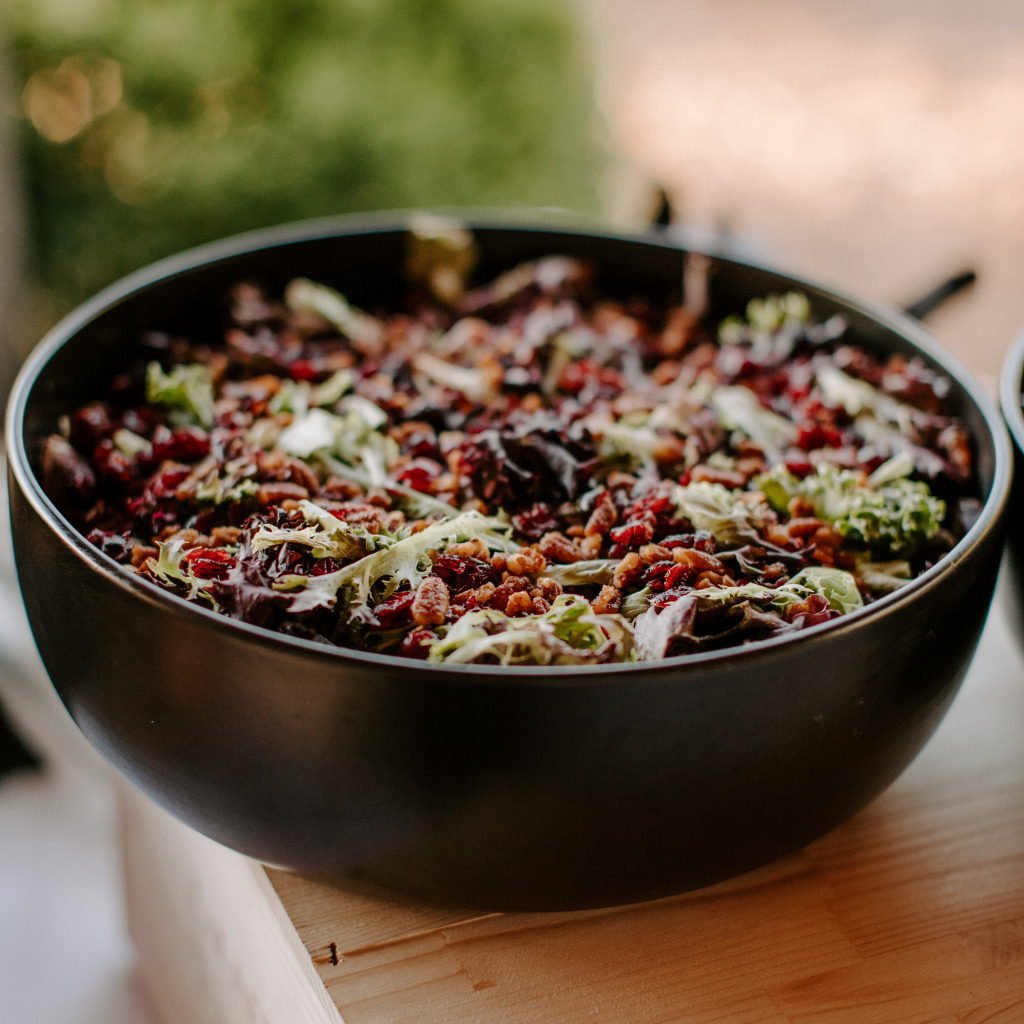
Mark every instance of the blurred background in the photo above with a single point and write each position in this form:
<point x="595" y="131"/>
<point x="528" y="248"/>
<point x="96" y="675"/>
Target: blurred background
<point x="874" y="146"/>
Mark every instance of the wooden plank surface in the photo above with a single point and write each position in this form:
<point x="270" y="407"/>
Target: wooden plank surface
<point x="912" y="912"/>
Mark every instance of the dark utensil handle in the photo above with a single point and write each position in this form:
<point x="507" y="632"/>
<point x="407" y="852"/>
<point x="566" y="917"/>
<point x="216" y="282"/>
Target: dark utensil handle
<point x="927" y="304"/>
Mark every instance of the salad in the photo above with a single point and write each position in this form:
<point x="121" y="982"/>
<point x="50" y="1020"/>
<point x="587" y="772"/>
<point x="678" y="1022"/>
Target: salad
<point x="520" y="472"/>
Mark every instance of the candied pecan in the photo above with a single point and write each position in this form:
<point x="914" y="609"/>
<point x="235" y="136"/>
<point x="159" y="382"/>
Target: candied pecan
<point x="520" y="603"/>
<point x="225" y="534"/>
<point x="651" y="553"/>
<point x="430" y="606"/>
<point x="394" y="521"/>
<point x="483" y="593"/>
<point x="556" y="547"/>
<point x="339" y="489"/>
<point x="526" y="562"/>
<point x="142" y="552"/>
<point x="189" y="537"/>
<point x="803" y="527"/>
<point x="750" y="465"/>
<point x="617" y="479"/>
<point x="628" y="570"/>
<point x="546" y="588"/>
<point x="590" y="547"/>
<point x="475" y="548"/>
<point x="699" y="561"/>
<point x="278" y="466"/>
<point x="498" y="562"/>
<point x="508" y="587"/>
<point x="275" y="493"/>
<point x="669" y="448"/>
<point x="603" y="516"/>
<point x="710" y="578"/>
<point x="539" y="605"/>
<point x="710" y="474"/>
<point x="609" y="600"/>
<point x="370" y="517"/>
<point x="665" y="372"/>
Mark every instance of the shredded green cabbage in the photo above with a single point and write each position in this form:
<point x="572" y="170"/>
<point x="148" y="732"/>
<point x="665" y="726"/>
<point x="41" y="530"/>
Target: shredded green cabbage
<point x="187" y="388"/>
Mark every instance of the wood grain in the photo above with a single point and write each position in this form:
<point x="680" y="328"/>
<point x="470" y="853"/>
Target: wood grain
<point x="912" y="912"/>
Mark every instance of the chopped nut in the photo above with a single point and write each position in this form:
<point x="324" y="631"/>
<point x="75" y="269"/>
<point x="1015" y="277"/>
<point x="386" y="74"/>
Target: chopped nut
<point x="275" y="493"/>
<point x="651" y="553"/>
<point x="520" y="603"/>
<point x="590" y="547"/>
<point x="556" y="547"/>
<point x="628" y="570"/>
<point x="475" y="548"/>
<point x="546" y="588"/>
<point x="539" y="605"/>
<point x="697" y="560"/>
<point x="525" y="562"/>
<point x="430" y="606"/>
<point x="609" y="600"/>
<point x="224" y="535"/>
<point x="726" y="477"/>
<point x="504" y="590"/>
<point x="603" y="517"/>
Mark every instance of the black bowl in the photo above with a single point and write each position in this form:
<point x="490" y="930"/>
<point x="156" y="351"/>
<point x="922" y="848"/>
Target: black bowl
<point x="526" y="788"/>
<point x="1011" y="388"/>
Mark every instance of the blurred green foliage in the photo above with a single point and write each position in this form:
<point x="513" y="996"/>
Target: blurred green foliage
<point x="147" y="126"/>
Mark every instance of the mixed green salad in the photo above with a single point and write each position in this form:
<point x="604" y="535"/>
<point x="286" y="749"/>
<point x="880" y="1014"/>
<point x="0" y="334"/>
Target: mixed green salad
<point x="525" y="471"/>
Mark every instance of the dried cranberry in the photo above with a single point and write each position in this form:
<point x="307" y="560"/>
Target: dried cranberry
<point x="635" y="532"/>
<point x="305" y="369"/>
<point x="210" y="563"/>
<point x="66" y="475"/>
<point x="113" y="463"/>
<point x="814" y="435"/>
<point x="667" y="575"/>
<point x="164" y="485"/>
<point x="419" y="474"/>
<point x="90" y="425"/>
<point x="396" y="611"/>
<point x="461" y="572"/>
<point x="183" y="444"/>
<point x="534" y="522"/>
<point x="416" y="644"/>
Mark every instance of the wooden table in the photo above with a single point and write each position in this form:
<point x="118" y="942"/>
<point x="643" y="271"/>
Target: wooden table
<point x="912" y="912"/>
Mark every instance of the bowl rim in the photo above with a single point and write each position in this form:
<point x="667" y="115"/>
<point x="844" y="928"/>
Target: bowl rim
<point x="1011" y="391"/>
<point x="533" y="220"/>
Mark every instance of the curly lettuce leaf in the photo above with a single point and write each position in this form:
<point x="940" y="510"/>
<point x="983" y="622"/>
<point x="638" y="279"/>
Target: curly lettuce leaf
<point x="569" y="633"/>
<point x="894" y="517"/>
<point x="749" y="608"/>
<point x="376" y="576"/>
<point x="325" y="535"/>
<point x="728" y="516"/>
<point x="172" y="570"/>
